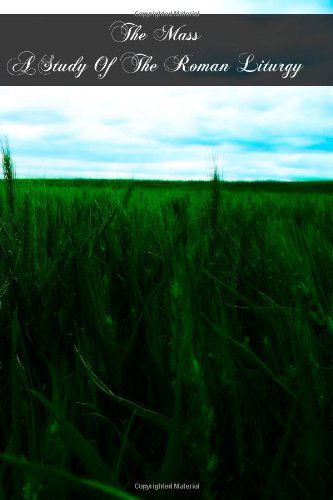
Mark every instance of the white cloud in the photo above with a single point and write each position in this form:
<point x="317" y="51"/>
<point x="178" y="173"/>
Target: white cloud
<point x="150" y="132"/>
<point x="233" y="167"/>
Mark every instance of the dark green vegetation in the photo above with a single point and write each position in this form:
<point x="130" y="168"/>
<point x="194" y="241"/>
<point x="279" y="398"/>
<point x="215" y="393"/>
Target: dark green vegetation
<point x="165" y="332"/>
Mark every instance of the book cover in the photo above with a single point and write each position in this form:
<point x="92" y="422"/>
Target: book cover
<point x="166" y="258"/>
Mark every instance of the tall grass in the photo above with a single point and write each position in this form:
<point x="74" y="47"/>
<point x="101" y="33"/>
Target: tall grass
<point x="8" y="174"/>
<point x="165" y="332"/>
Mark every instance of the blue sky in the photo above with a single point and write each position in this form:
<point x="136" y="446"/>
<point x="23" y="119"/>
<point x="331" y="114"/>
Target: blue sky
<point x="170" y="132"/>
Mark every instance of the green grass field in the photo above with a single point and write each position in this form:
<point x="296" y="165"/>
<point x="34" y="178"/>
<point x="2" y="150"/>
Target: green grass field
<point x="157" y="332"/>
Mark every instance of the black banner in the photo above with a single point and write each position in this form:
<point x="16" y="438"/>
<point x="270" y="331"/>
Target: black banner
<point x="193" y="50"/>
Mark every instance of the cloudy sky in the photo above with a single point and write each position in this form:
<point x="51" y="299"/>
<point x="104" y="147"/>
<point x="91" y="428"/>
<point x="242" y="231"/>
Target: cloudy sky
<point x="207" y="6"/>
<point x="170" y="132"/>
